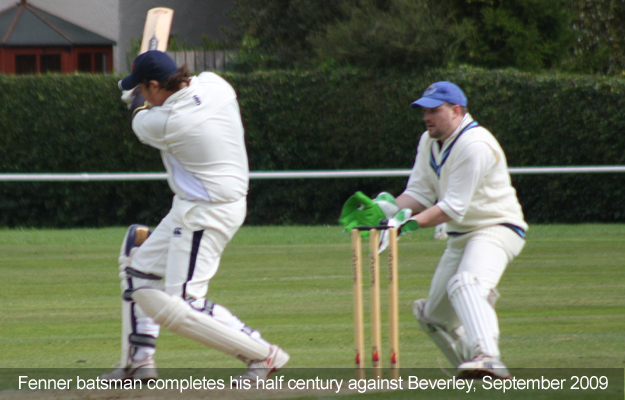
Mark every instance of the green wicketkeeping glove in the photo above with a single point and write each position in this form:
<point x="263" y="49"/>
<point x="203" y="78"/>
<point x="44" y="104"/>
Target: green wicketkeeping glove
<point x="403" y="222"/>
<point x="404" y="225"/>
<point x="386" y="202"/>
<point x="360" y="210"/>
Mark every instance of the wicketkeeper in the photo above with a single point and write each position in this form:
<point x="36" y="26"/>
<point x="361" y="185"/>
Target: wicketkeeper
<point x="196" y="124"/>
<point x="460" y="177"/>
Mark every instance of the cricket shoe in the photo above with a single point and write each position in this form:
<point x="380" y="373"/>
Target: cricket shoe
<point x="483" y="366"/>
<point x="261" y="369"/>
<point x="144" y="370"/>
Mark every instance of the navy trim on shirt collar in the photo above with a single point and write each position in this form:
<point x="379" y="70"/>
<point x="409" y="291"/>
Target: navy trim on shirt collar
<point x="437" y="167"/>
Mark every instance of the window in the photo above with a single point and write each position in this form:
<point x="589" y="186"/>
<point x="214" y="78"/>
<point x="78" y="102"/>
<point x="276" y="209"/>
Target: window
<point x="93" y="62"/>
<point x="50" y="63"/>
<point x="37" y="63"/>
<point x="26" y="64"/>
<point x="100" y="63"/>
<point x="84" y="62"/>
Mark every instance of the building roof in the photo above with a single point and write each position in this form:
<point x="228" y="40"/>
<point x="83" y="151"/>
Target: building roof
<point x="25" y="25"/>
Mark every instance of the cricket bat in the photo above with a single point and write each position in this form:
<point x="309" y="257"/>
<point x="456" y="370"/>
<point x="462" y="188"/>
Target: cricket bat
<point x="156" y="29"/>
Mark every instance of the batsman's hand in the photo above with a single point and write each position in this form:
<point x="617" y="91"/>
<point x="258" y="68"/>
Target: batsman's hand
<point x="360" y="210"/>
<point x="128" y="96"/>
<point x="404" y="224"/>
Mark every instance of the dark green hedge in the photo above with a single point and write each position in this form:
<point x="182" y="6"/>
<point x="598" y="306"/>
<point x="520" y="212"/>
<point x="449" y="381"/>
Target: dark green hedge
<point x="311" y="121"/>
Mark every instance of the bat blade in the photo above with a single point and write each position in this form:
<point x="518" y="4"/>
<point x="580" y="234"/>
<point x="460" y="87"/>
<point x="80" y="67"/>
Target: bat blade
<point x="156" y="29"/>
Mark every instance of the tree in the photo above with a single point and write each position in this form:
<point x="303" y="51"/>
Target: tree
<point x="275" y="33"/>
<point x="525" y="34"/>
<point x="395" y="33"/>
<point x="600" y="37"/>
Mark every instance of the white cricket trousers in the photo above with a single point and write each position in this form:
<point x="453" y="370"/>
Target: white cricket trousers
<point x="185" y="251"/>
<point x="469" y="272"/>
<point x="185" y="248"/>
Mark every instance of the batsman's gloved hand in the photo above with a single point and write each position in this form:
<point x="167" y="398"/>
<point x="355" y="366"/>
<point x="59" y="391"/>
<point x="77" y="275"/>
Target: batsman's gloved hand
<point x="127" y="96"/>
<point x="404" y="224"/>
<point x="134" y="101"/>
<point x="139" y="103"/>
<point x="360" y="210"/>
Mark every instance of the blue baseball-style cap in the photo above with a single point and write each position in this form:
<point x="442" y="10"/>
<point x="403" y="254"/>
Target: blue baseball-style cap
<point x="152" y="65"/>
<point x="439" y="93"/>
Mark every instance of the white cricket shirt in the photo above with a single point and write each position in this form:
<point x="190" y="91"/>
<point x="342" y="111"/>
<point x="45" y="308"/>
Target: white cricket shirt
<point x="467" y="177"/>
<point x="200" y="135"/>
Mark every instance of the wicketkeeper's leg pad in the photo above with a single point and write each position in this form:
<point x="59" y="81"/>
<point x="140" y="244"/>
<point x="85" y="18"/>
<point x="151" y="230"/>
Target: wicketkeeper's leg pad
<point x="452" y="344"/>
<point x="475" y="309"/>
<point x="180" y="317"/>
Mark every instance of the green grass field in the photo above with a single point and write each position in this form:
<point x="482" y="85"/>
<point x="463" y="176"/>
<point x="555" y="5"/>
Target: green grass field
<point x="562" y="300"/>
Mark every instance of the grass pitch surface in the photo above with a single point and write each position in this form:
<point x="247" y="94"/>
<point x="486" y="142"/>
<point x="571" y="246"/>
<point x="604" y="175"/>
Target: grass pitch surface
<point x="562" y="300"/>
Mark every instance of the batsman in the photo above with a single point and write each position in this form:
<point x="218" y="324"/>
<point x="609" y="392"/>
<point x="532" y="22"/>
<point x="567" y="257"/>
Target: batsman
<point x="460" y="177"/>
<point x="196" y="125"/>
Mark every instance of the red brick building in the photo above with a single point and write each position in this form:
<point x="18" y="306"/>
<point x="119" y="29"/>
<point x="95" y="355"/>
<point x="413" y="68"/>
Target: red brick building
<point x="34" y="41"/>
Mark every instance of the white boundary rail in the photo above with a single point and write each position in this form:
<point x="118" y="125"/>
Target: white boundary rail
<point x="157" y="176"/>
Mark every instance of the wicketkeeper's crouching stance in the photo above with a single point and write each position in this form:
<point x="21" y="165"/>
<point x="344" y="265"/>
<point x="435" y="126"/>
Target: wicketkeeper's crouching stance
<point x="196" y="124"/>
<point x="460" y="177"/>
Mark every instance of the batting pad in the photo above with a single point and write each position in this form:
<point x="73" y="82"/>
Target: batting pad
<point x="476" y="314"/>
<point x="135" y="236"/>
<point x="179" y="317"/>
<point x="127" y="328"/>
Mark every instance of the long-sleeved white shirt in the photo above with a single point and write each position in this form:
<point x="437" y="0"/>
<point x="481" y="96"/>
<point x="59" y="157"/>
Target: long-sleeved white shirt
<point x="200" y="134"/>
<point x="467" y="177"/>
